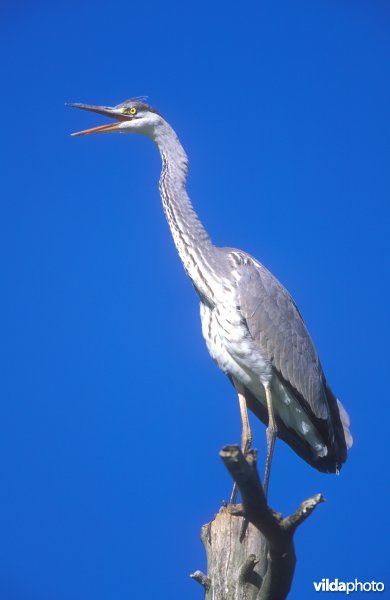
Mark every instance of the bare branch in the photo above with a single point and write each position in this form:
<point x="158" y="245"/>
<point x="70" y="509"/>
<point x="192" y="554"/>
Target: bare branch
<point x="277" y="530"/>
<point x="253" y="498"/>
<point x="202" y="579"/>
<point x="250" y="547"/>
<point x="303" y="512"/>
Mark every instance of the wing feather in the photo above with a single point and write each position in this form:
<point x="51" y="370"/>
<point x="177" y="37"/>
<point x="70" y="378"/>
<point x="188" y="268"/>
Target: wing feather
<point x="275" y="323"/>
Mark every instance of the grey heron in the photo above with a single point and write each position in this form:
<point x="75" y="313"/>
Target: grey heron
<point x="252" y="326"/>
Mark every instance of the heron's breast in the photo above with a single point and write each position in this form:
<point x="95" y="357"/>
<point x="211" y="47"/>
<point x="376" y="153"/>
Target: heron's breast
<point x="231" y="346"/>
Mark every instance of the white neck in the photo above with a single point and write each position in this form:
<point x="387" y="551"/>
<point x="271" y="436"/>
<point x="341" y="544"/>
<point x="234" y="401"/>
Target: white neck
<point x="191" y="239"/>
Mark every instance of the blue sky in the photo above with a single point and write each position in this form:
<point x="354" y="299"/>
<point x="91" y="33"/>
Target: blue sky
<point x="112" y="412"/>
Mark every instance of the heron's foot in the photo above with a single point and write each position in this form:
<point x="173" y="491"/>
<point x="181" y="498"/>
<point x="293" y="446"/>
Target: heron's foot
<point x="246" y="444"/>
<point x="245" y="522"/>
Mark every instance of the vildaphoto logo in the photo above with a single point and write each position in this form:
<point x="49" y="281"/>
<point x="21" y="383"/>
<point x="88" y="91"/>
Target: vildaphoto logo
<point x="348" y="587"/>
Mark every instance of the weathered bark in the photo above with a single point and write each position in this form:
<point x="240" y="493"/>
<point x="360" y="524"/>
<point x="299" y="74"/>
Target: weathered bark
<point x="249" y="547"/>
<point x="235" y="569"/>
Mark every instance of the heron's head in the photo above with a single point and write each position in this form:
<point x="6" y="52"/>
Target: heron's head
<point x="132" y="116"/>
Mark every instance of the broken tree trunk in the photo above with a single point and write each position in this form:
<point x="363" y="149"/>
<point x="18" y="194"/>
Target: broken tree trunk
<point x="249" y="547"/>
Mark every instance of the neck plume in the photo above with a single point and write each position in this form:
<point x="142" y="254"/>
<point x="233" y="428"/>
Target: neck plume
<point x="191" y="239"/>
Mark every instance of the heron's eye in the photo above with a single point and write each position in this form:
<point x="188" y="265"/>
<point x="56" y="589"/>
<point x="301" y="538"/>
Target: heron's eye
<point x="130" y="111"/>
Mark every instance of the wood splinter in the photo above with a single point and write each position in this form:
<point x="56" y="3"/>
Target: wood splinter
<point x="202" y="579"/>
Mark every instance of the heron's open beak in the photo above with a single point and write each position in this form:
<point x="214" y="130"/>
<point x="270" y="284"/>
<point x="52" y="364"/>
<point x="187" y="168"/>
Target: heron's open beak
<point x="108" y="111"/>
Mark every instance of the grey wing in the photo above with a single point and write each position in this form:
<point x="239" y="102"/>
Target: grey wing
<point x="274" y="322"/>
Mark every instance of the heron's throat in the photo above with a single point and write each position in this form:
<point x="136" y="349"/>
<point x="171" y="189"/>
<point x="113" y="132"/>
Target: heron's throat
<point x="191" y="239"/>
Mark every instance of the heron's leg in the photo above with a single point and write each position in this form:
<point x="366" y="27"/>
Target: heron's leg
<point x="246" y="435"/>
<point x="271" y="436"/>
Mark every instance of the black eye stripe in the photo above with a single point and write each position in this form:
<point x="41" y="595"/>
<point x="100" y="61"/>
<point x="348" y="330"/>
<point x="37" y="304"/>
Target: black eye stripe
<point x="138" y="105"/>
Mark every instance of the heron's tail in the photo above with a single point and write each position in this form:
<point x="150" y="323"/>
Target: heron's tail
<point x="341" y="439"/>
<point x="337" y="436"/>
<point x="345" y="422"/>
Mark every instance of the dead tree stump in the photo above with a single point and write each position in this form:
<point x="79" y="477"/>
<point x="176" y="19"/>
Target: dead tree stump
<point x="249" y="547"/>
